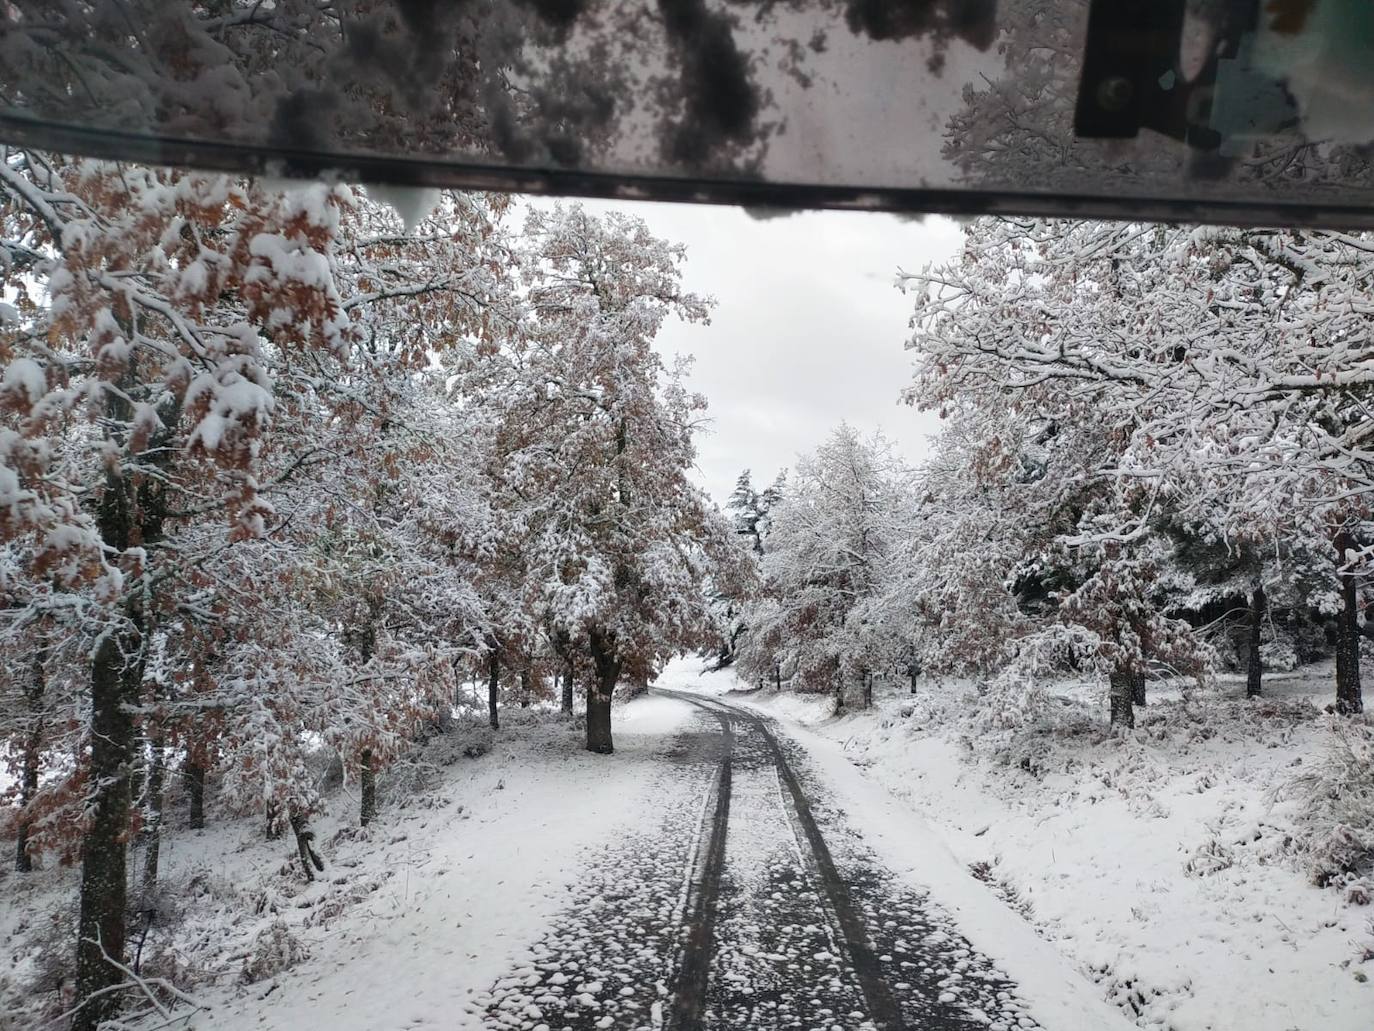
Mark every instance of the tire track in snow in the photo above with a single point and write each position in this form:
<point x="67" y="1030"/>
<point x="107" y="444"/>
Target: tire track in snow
<point x="608" y="961"/>
<point x="743" y="915"/>
<point x="703" y="897"/>
<point x="914" y="969"/>
<point x="882" y="1009"/>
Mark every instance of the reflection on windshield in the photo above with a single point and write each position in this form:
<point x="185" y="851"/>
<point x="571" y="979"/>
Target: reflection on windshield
<point x="1225" y="100"/>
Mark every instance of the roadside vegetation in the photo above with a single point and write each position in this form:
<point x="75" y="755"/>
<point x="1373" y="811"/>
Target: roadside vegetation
<point x="280" y="475"/>
<point x="1145" y="517"/>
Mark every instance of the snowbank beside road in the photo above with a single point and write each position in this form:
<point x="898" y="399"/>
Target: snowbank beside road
<point x="1156" y="865"/>
<point x="414" y="917"/>
<point x="481" y="891"/>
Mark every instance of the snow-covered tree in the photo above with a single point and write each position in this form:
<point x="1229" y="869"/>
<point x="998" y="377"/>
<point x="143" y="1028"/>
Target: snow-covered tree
<point x="181" y="352"/>
<point x="592" y="451"/>
<point x="816" y="622"/>
<point x="1222" y="366"/>
<point x="750" y="517"/>
<point x="751" y="510"/>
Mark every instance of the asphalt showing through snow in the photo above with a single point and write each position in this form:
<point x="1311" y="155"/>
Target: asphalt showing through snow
<point x="751" y="905"/>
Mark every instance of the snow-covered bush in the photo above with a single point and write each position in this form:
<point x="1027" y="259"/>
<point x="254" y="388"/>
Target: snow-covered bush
<point x="475" y="742"/>
<point x="1209" y="858"/>
<point x="1279" y="655"/>
<point x="274" y="950"/>
<point x="48" y="938"/>
<point x="1337" y="813"/>
<point x="414" y="773"/>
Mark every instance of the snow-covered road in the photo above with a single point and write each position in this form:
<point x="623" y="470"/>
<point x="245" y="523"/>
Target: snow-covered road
<point x="719" y="870"/>
<point x="747" y="907"/>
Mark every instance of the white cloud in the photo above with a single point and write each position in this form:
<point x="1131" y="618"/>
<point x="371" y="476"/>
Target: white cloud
<point x="808" y="330"/>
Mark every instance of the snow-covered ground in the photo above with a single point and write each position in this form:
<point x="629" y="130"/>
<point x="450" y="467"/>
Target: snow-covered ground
<point x="1148" y="879"/>
<point x="413" y="919"/>
<point x="1160" y="865"/>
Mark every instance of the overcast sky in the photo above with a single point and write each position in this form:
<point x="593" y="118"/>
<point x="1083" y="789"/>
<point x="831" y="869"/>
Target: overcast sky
<point x="807" y="331"/>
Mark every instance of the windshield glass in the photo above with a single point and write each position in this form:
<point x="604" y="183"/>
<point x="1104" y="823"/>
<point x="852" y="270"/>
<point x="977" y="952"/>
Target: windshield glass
<point x="1022" y="105"/>
<point x="432" y="603"/>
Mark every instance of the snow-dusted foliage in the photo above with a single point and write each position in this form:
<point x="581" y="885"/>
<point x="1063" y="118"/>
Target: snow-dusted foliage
<point x="219" y="494"/>
<point x="821" y="620"/>
<point x="750" y="513"/>
<point x="1208" y="381"/>
<point x="1336" y="792"/>
<point x="602" y="540"/>
<point x="279" y="467"/>
<point x="1152" y="464"/>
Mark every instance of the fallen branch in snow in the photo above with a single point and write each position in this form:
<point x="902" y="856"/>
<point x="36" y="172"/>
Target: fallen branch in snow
<point x="149" y="987"/>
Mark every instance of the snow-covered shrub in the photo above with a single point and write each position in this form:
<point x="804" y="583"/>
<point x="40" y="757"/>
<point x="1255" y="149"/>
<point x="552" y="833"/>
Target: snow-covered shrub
<point x="1337" y="813"/>
<point x="466" y="740"/>
<point x="1046" y="744"/>
<point x="1208" y="858"/>
<point x="274" y="950"/>
<point x="1279" y="655"/>
<point x="476" y="742"/>
<point x="404" y="779"/>
<point x="1010" y="702"/>
<point x="412" y="774"/>
<point x="1335" y="852"/>
<point x="49" y="939"/>
<point x="162" y="961"/>
<point x="341" y="901"/>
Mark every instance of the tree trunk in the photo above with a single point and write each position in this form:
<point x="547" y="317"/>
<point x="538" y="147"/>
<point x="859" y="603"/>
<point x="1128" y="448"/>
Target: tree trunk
<point x="1349" y="699"/>
<point x="493" y="687"/>
<point x="152" y="816"/>
<point x="568" y="688"/>
<point x="915" y="671"/>
<point x="31" y="759"/>
<point x="1122" y="696"/>
<point x="195" y="792"/>
<point x="1254" y="666"/>
<point x="1138" y="688"/>
<point x="273" y="825"/>
<point x="104" y="882"/>
<point x="367" y="781"/>
<point x="305" y="843"/>
<point x="599" y="690"/>
<point x="839" y="694"/>
<point x="868" y="689"/>
<point x="28" y="791"/>
<point x="777" y="677"/>
<point x="116" y="680"/>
